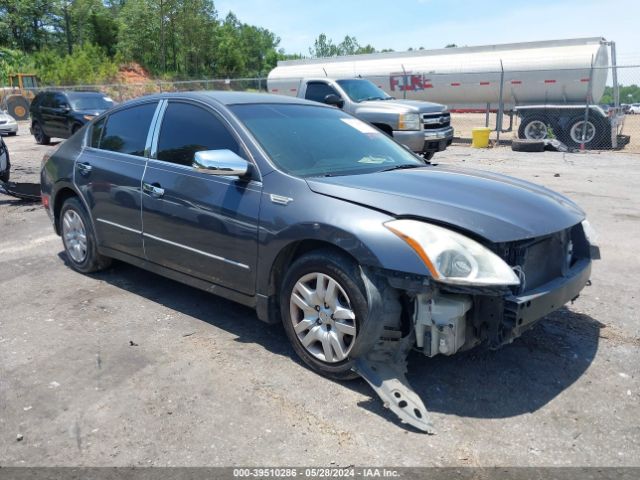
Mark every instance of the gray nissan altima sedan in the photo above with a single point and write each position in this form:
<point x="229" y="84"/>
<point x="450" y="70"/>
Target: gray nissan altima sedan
<point x="322" y="222"/>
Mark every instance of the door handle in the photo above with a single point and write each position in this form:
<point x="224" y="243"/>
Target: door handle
<point x="85" y="168"/>
<point x="154" y="190"/>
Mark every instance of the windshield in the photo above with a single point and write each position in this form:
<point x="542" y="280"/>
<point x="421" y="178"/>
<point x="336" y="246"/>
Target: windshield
<point x="90" y="102"/>
<point x="361" y="90"/>
<point x="308" y="141"/>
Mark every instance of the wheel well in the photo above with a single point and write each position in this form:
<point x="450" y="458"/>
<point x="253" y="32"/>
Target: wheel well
<point x="61" y="197"/>
<point x="385" y="128"/>
<point x="291" y="253"/>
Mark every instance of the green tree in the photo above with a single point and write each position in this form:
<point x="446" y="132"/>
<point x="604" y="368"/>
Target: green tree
<point x="324" y="47"/>
<point x="628" y="94"/>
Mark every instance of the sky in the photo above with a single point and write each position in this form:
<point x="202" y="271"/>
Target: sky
<point x="401" y="24"/>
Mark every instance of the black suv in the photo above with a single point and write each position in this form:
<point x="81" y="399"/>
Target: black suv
<point x="60" y="114"/>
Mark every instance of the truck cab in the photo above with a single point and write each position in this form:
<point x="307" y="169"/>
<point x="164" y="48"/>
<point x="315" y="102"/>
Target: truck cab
<point x="423" y="127"/>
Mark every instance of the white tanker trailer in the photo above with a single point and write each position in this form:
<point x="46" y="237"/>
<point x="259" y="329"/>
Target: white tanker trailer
<point x="553" y="86"/>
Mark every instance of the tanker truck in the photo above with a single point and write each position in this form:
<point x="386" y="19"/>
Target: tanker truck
<point x="552" y="86"/>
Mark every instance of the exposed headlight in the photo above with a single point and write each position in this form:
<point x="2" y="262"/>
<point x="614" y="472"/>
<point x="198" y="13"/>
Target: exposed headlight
<point x="451" y="257"/>
<point x="589" y="232"/>
<point x="409" y="121"/>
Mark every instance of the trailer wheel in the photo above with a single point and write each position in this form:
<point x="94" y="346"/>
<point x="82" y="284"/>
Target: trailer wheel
<point x="594" y="136"/>
<point x="535" y="127"/>
<point x="524" y="145"/>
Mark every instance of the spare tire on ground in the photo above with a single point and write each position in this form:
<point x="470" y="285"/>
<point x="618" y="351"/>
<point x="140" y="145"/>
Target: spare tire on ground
<point x="522" y="145"/>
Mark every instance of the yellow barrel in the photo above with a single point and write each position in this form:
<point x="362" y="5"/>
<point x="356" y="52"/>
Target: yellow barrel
<point x="480" y="137"/>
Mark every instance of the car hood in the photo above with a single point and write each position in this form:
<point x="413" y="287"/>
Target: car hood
<point x="400" y="106"/>
<point x="495" y="207"/>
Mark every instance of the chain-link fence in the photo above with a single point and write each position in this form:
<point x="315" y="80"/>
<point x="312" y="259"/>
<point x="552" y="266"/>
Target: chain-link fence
<point x="580" y="107"/>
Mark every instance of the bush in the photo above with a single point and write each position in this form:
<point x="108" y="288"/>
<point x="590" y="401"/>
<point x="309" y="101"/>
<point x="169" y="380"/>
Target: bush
<point x="13" y="61"/>
<point x="87" y="65"/>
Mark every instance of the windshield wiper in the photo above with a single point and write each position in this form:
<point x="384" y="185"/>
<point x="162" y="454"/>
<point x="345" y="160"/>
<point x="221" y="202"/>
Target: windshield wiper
<point x="401" y="167"/>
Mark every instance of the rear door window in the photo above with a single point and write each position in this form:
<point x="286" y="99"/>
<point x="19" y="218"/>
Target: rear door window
<point x="317" y="91"/>
<point x="187" y="129"/>
<point x="46" y="100"/>
<point x="126" y="130"/>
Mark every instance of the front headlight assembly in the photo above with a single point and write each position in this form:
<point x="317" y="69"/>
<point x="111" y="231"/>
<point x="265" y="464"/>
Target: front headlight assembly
<point x="409" y="121"/>
<point x="453" y="258"/>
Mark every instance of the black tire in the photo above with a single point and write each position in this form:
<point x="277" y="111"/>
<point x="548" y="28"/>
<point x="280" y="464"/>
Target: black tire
<point x="39" y="135"/>
<point x="12" y="134"/>
<point x="519" y="145"/>
<point x="92" y="261"/>
<point x="568" y="137"/>
<point x="5" y="175"/>
<point x="347" y="274"/>
<point x="528" y="124"/>
<point x="428" y="155"/>
<point x="18" y="107"/>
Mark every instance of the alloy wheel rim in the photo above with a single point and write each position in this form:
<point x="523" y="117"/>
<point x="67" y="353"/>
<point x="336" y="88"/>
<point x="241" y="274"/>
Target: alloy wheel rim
<point x="576" y="132"/>
<point x="75" y="236"/>
<point x="322" y="317"/>
<point x="536" y="130"/>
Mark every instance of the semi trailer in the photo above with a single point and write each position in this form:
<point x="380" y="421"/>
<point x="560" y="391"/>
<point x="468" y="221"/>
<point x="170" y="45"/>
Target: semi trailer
<point x="553" y="86"/>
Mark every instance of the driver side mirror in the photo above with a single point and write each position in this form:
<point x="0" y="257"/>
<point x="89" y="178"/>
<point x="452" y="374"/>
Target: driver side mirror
<point x="220" y="162"/>
<point x="335" y="100"/>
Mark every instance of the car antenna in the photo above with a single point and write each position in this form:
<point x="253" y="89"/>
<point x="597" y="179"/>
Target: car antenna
<point x="325" y="72"/>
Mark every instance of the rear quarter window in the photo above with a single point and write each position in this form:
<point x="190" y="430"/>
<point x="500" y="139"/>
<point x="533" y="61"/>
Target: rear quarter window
<point x="96" y="132"/>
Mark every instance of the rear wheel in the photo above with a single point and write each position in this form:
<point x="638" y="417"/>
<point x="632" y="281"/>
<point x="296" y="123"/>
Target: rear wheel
<point x="592" y="132"/>
<point x="39" y="135"/>
<point x="323" y="305"/>
<point x="78" y="238"/>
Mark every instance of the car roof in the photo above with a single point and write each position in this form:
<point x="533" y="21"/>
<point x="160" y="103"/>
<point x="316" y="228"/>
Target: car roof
<point x="232" y="98"/>
<point x="74" y="93"/>
<point x="84" y="94"/>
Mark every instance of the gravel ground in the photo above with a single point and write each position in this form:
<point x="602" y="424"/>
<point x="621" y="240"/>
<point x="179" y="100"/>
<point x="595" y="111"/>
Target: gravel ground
<point x="128" y="368"/>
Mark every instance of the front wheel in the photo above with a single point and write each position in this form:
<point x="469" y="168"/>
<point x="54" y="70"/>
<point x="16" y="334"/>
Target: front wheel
<point x="324" y="306"/>
<point x="79" y="239"/>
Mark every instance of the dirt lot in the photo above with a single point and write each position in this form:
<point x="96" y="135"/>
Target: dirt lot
<point x="128" y="368"/>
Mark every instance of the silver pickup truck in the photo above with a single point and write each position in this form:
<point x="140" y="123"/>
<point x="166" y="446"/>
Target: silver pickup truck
<point x="424" y="127"/>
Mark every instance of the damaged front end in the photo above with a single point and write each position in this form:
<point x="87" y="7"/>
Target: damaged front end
<point x="443" y="318"/>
